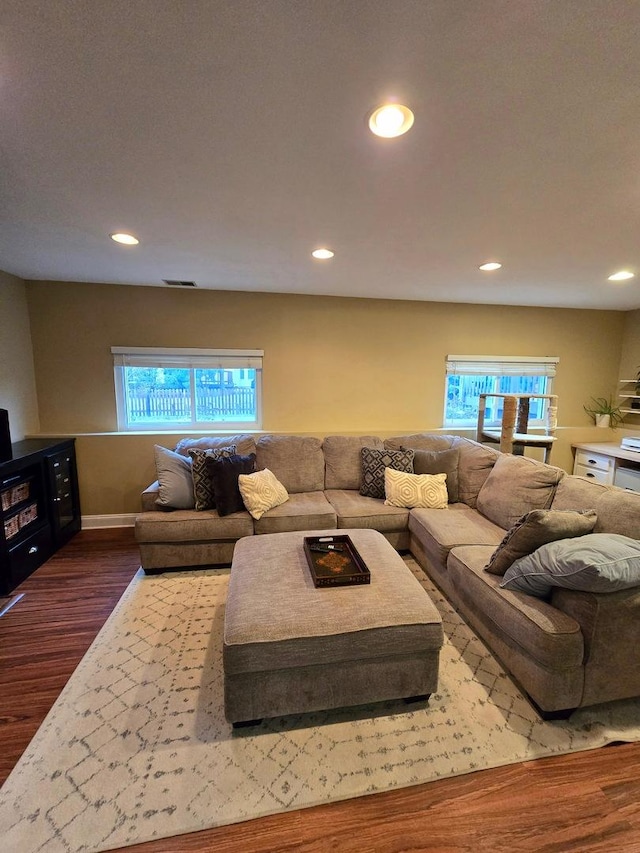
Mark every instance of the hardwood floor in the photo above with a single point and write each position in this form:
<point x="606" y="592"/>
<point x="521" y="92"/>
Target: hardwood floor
<point x="586" y="802"/>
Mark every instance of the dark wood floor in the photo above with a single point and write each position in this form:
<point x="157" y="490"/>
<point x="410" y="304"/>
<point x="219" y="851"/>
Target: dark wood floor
<point x="587" y="802"/>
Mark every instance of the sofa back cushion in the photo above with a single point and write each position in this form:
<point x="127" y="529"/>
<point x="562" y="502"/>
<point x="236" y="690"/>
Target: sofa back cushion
<point x="420" y="441"/>
<point x="474" y="466"/>
<point x="515" y="486"/>
<point x="618" y="509"/>
<point x="619" y="512"/>
<point x="244" y="443"/>
<point x="578" y="493"/>
<point x="297" y="461"/>
<point x="343" y="461"/>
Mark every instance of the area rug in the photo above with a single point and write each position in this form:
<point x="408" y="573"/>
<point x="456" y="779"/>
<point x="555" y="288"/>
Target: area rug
<point x="137" y="748"/>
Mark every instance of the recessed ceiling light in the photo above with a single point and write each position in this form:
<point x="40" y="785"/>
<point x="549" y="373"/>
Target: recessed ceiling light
<point x="391" y="120"/>
<point x="490" y="266"/>
<point x="623" y="275"/>
<point x="127" y="239"/>
<point x="322" y="254"/>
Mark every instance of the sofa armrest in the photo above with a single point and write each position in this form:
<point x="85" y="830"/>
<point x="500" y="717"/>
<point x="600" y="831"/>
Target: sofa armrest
<point x="610" y="624"/>
<point x="149" y="497"/>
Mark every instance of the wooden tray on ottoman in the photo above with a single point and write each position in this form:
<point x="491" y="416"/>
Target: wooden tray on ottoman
<point x="339" y="565"/>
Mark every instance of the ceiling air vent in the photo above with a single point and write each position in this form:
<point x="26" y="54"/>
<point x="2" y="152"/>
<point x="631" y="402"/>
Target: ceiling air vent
<point x="174" y="283"/>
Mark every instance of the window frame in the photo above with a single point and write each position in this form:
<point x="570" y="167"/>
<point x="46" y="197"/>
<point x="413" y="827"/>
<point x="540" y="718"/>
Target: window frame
<point x="498" y="366"/>
<point x="192" y="359"/>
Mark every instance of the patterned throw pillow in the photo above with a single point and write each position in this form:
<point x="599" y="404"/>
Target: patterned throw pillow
<point x="536" y="528"/>
<point x="202" y="485"/>
<point x="261" y="491"/>
<point x="439" y="462"/>
<point x="373" y="464"/>
<point x="409" y="490"/>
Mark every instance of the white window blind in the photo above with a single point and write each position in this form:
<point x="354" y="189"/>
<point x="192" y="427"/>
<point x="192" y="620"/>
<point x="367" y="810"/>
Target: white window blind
<point x="500" y="365"/>
<point x="207" y="359"/>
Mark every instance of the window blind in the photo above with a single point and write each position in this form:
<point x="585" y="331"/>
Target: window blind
<point x="191" y="358"/>
<point x="501" y="365"/>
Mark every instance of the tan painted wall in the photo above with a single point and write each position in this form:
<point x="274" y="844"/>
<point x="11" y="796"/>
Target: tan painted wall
<point x="17" y="377"/>
<point x="331" y="365"/>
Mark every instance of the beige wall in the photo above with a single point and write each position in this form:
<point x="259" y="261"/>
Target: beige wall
<point x="17" y="378"/>
<point x="331" y="364"/>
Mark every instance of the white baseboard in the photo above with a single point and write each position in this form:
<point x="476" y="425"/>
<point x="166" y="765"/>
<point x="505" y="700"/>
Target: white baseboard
<point x="93" y="522"/>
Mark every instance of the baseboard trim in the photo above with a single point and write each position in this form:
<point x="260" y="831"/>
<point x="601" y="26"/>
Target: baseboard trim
<point x="92" y="522"/>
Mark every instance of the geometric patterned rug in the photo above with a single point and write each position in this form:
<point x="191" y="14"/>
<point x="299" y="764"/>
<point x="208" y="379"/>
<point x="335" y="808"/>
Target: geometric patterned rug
<point x="137" y="748"/>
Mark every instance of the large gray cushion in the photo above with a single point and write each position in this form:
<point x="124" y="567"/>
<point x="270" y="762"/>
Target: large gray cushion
<point x="599" y="562"/>
<point x="302" y="511"/>
<point x="475" y="465"/>
<point x="175" y="482"/>
<point x="537" y="528"/>
<point x="354" y="510"/>
<point x="343" y="461"/>
<point x="516" y="485"/>
<point x="420" y="441"/>
<point x="297" y="461"/>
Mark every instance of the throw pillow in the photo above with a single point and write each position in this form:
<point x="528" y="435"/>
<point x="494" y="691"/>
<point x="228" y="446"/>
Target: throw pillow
<point x="224" y="472"/>
<point x="439" y="462"/>
<point x="374" y="462"/>
<point x="261" y="491"/>
<point x="516" y="485"/>
<point x="175" y="481"/>
<point x="537" y="528"/>
<point x="202" y="486"/>
<point x="409" y="490"/>
<point x="597" y="562"/>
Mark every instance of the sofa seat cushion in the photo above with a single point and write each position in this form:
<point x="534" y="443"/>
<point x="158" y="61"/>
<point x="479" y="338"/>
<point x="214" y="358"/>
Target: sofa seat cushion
<point x="355" y="510"/>
<point x="297" y="461"/>
<point x="456" y="525"/>
<point x="515" y="486"/>
<point x="302" y="511"/>
<point x="190" y="525"/>
<point x="551" y="637"/>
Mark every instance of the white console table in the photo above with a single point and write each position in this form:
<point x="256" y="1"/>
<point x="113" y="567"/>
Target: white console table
<point x="609" y="463"/>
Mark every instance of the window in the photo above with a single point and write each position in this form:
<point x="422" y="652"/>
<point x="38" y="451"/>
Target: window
<point x="189" y="388"/>
<point x="471" y="375"/>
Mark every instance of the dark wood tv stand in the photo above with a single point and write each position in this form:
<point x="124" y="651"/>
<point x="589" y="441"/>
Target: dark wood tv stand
<point x="39" y="506"/>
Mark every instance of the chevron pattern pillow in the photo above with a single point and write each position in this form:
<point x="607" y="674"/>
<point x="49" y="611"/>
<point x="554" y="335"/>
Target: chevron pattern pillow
<point x="202" y="485"/>
<point x="411" y="490"/>
<point x="374" y="463"/>
<point x="261" y="491"/>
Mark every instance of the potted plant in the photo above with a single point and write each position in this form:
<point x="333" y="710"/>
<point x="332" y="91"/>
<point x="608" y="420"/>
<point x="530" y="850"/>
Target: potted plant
<point x="603" y="412"/>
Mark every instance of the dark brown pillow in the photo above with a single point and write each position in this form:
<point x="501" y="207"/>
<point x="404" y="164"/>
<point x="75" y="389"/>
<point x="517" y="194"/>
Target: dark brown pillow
<point x="537" y="528"/>
<point x="223" y="474"/>
<point x="439" y="462"/>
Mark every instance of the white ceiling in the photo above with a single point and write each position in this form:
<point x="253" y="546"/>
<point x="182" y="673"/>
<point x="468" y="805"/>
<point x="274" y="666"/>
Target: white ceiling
<point x="230" y="137"/>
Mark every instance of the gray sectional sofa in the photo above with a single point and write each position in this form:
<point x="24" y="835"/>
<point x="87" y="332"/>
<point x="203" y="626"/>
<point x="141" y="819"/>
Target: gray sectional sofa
<point x="569" y="650"/>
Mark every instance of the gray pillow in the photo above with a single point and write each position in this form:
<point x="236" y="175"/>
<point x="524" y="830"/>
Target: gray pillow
<point x="439" y="462"/>
<point x="516" y="485"/>
<point x="598" y="562"/>
<point x="174" y="479"/>
<point x="374" y="462"/>
<point x="537" y="528"/>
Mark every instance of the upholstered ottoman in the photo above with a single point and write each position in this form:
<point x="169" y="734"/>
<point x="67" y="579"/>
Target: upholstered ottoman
<point x="290" y="647"/>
